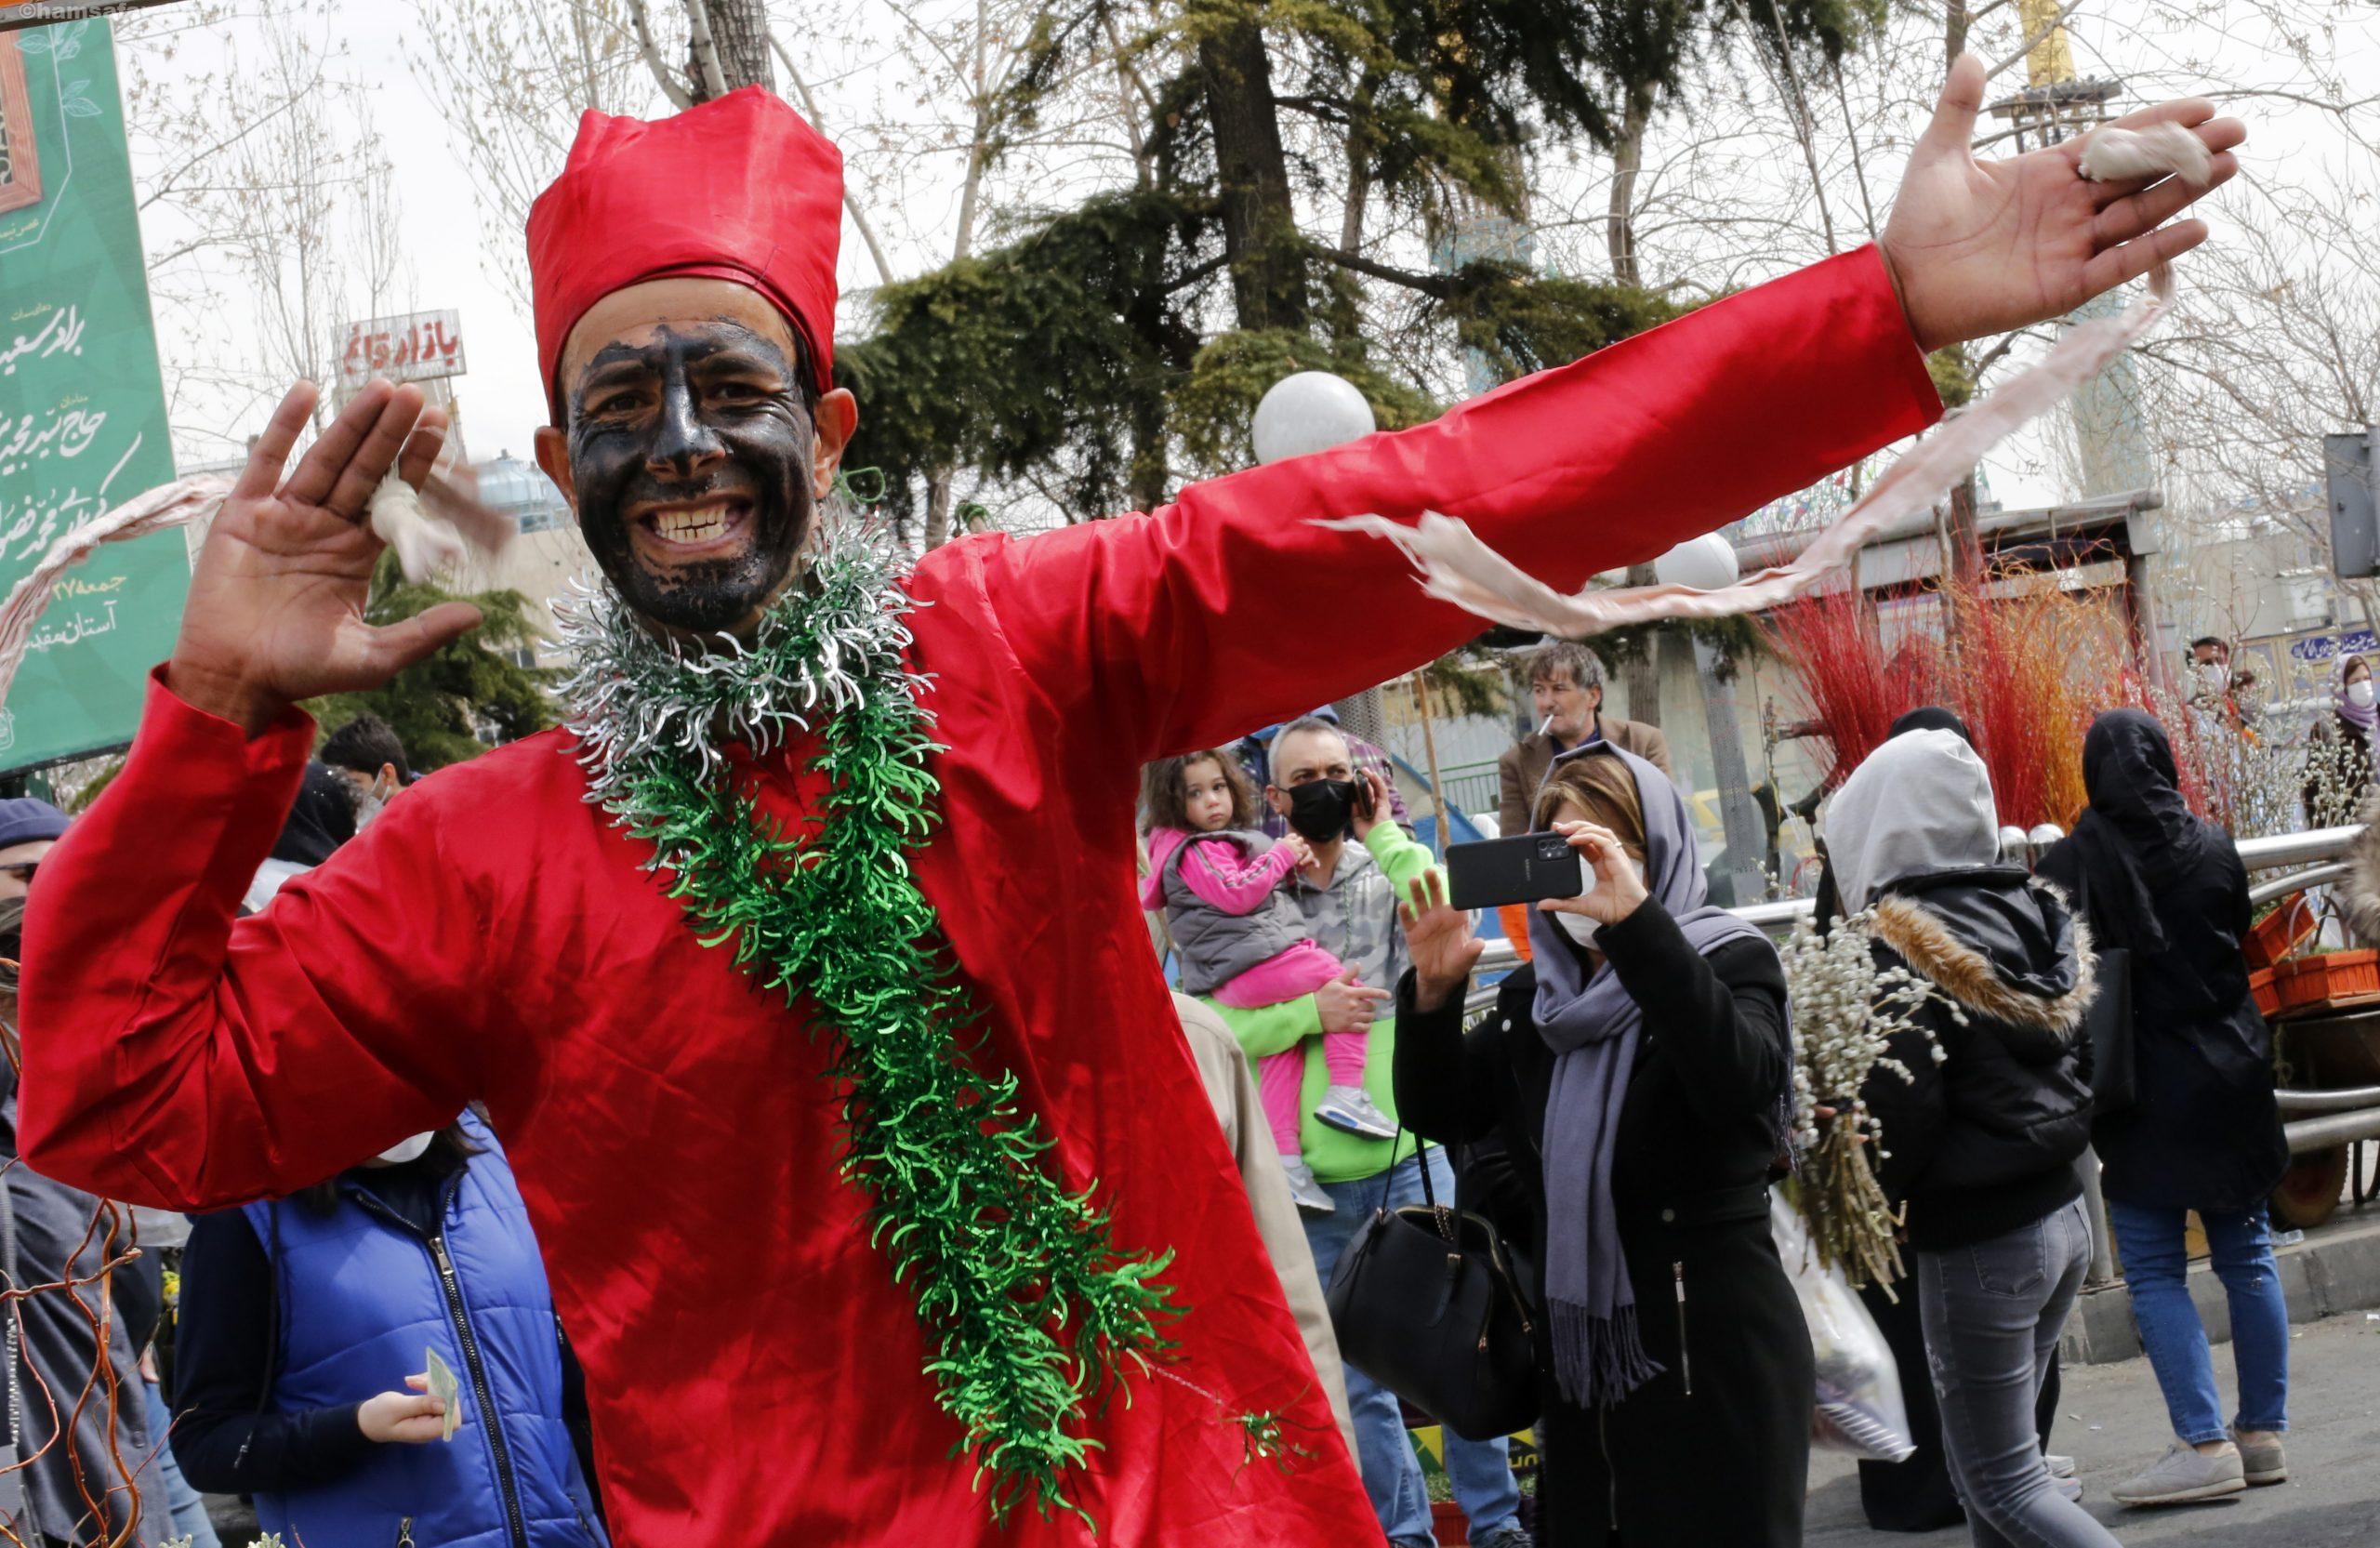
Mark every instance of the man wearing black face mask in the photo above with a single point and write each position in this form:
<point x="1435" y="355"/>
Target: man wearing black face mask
<point x="1348" y="893"/>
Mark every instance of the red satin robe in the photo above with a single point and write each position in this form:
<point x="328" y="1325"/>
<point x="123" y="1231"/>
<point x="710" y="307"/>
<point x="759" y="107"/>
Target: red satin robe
<point x="755" y="1375"/>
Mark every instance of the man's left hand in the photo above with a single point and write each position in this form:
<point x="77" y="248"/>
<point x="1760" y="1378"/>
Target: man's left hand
<point x="1978" y="247"/>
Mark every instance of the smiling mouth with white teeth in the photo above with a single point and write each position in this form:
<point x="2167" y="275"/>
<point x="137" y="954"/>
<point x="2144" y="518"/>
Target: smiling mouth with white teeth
<point x="695" y="527"/>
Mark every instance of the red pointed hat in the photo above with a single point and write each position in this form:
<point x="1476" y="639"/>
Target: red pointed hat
<point x="739" y="188"/>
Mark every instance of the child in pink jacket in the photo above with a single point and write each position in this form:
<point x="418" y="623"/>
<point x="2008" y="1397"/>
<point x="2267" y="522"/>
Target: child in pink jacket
<point x="1239" y="938"/>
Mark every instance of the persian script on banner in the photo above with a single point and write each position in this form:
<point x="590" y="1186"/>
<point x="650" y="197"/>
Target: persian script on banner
<point x="82" y="405"/>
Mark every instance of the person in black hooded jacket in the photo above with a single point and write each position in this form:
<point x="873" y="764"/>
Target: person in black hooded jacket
<point x="1978" y="1143"/>
<point x="1916" y="1494"/>
<point x="2203" y="1130"/>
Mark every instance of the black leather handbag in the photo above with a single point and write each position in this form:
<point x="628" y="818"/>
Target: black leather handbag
<point x="1426" y="1301"/>
<point x="2114" y="1077"/>
<point x="2108" y="1023"/>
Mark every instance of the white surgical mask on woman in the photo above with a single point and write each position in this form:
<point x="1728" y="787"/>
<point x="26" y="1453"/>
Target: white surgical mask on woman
<point x="410" y="1149"/>
<point x="2359" y="693"/>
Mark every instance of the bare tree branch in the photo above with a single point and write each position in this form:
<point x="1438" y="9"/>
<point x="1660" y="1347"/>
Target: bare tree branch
<point x="679" y="98"/>
<point x="851" y="198"/>
<point x="2033" y="39"/>
<point x="704" y="52"/>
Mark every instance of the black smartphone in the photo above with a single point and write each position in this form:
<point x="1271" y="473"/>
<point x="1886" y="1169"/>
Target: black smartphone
<point x="1362" y="797"/>
<point x="1519" y="869"/>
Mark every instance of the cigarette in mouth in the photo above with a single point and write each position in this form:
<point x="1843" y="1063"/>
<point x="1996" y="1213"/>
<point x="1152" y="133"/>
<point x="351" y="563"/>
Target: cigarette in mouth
<point x="1545" y="725"/>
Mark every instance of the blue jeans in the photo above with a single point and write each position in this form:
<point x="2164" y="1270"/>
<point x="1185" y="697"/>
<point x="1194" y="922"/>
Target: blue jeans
<point x="2155" y="1265"/>
<point x="187" y="1511"/>
<point x="1481" y="1471"/>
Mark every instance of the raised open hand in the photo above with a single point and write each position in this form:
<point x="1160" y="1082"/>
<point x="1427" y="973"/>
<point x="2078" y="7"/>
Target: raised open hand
<point x="275" y="612"/>
<point x="1439" y="939"/>
<point x="1980" y="248"/>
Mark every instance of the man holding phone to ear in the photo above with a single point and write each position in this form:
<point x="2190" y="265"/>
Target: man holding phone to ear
<point x="1348" y="893"/>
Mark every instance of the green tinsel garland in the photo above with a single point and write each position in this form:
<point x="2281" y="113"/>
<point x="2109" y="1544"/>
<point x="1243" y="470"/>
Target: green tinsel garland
<point x="1031" y="1309"/>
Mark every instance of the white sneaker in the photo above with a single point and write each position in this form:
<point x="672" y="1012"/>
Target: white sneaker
<point x="1351" y="1110"/>
<point x="2185" y="1476"/>
<point x="2261" y="1458"/>
<point x="1304" y="1190"/>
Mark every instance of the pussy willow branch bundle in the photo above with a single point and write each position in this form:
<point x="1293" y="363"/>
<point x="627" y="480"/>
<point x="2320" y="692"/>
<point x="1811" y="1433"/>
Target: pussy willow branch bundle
<point x="1858" y="1228"/>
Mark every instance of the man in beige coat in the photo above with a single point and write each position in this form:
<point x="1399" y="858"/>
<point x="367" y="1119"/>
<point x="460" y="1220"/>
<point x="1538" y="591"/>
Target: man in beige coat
<point x="1566" y="685"/>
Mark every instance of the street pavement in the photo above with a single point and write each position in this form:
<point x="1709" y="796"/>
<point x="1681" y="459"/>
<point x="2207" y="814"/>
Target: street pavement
<point x="2112" y="1421"/>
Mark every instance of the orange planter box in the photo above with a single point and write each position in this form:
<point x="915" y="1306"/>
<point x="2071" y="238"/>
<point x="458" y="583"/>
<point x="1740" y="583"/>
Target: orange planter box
<point x="2268" y="993"/>
<point x="2280" y="932"/>
<point x="2327" y="978"/>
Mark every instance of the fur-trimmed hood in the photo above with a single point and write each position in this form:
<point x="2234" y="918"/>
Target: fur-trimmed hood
<point x="1967" y="976"/>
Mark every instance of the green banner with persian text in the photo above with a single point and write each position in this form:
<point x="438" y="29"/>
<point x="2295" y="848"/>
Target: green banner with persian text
<point x="82" y="404"/>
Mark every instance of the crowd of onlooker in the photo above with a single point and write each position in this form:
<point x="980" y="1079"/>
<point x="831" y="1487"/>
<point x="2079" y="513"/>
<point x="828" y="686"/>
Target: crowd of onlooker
<point x="1621" y="1108"/>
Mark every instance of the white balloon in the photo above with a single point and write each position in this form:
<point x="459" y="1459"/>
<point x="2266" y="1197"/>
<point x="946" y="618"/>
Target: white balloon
<point x="1706" y="563"/>
<point x="1309" y="412"/>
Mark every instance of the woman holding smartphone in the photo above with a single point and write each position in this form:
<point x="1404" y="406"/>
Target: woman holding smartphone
<point x="1638" y="1072"/>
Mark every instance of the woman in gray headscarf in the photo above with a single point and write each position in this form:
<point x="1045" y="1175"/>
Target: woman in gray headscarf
<point x="1635" y="1072"/>
<point x="1980" y="1143"/>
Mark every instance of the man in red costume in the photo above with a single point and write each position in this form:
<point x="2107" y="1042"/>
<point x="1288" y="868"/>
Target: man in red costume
<point x="735" y="1242"/>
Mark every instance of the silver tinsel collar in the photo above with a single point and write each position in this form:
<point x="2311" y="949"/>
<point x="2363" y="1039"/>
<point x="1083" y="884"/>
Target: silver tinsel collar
<point x="634" y="696"/>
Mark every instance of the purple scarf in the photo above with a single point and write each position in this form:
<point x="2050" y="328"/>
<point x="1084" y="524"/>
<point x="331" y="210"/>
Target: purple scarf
<point x="1593" y="1027"/>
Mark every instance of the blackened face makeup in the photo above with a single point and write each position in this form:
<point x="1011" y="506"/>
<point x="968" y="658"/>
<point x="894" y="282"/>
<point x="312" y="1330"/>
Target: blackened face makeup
<point x="690" y="450"/>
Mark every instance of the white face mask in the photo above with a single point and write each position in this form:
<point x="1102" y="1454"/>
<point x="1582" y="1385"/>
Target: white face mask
<point x="373" y="801"/>
<point x="2216" y="675"/>
<point x="2359" y="693"/>
<point x="1579" y="927"/>
<point x="411" y="1149"/>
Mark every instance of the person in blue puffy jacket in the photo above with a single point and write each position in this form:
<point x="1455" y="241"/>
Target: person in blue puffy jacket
<point x="303" y="1348"/>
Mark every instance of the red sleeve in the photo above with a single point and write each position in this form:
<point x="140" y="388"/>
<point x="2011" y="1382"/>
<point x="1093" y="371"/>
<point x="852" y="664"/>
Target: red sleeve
<point x="177" y="1056"/>
<point x="1212" y="869"/>
<point x="1229" y="609"/>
